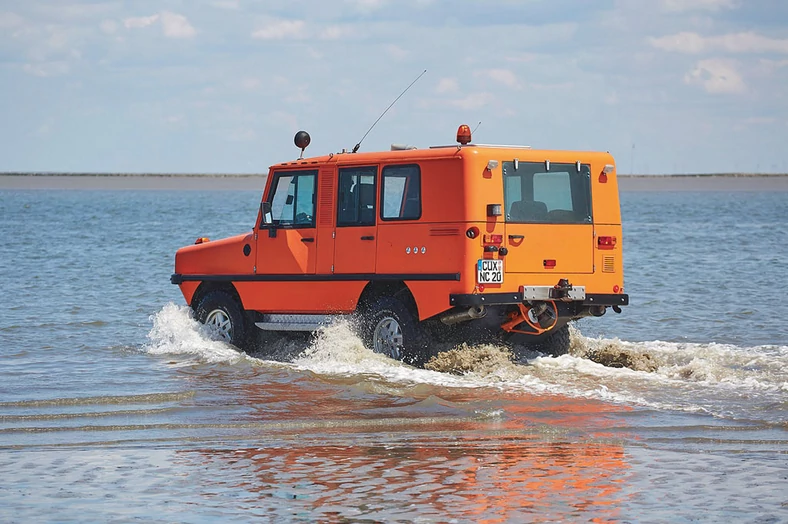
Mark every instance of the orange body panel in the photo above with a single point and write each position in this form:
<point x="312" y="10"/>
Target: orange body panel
<point x="459" y="186"/>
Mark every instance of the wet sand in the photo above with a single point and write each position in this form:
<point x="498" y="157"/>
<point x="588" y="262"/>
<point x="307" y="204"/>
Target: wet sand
<point x="627" y="183"/>
<point x="134" y="182"/>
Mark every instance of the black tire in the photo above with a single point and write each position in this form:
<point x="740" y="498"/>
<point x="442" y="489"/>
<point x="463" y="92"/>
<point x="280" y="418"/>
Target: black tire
<point x="222" y="311"/>
<point x="553" y="343"/>
<point x="391" y="328"/>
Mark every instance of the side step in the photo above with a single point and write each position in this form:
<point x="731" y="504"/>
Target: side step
<point x="295" y="322"/>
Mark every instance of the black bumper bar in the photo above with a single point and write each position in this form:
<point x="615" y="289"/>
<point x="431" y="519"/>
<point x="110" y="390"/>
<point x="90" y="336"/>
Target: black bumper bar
<point x="502" y="299"/>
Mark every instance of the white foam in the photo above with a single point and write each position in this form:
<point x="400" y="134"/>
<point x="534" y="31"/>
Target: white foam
<point x="176" y="332"/>
<point x="688" y="376"/>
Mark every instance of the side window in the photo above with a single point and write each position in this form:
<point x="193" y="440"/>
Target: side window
<point x="293" y="199"/>
<point x="400" y="193"/>
<point x="356" y="196"/>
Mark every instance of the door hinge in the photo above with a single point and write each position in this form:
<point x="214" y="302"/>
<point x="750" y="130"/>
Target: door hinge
<point x="332" y="269"/>
<point x="333" y="234"/>
<point x="254" y="270"/>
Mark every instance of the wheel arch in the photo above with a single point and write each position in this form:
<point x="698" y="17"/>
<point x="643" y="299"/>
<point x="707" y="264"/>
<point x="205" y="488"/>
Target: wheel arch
<point x="206" y="287"/>
<point x="396" y="288"/>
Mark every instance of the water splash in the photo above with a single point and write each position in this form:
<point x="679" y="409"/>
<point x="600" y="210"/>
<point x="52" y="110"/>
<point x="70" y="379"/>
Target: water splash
<point x="176" y="332"/>
<point x="715" y="378"/>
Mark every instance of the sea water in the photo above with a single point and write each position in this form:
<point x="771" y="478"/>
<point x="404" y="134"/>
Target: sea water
<point x="115" y="405"/>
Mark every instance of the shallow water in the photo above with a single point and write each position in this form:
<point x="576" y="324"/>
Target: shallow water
<point x="115" y="405"/>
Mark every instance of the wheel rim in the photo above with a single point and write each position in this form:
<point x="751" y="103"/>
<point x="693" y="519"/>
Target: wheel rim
<point x="387" y="338"/>
<point x="220" y="325"/>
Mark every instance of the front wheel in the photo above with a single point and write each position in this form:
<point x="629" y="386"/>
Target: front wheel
<point x="223" y="317"/>
<point x="390" y="328"/>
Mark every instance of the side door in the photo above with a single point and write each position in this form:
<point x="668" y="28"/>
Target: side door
<point x="549" y="223"/>
<point x="355" y="243"/>
<point x="288" y="246"/>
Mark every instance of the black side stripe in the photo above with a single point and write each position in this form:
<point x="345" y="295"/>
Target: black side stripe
<point x="436" y="277"/>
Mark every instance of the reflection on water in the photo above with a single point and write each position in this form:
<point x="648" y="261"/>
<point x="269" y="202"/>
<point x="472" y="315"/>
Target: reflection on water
<point x="495" y="478"/>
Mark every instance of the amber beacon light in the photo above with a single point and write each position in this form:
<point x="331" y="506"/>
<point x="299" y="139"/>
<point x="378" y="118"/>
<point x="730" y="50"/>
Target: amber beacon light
<point x="464" y="134"/>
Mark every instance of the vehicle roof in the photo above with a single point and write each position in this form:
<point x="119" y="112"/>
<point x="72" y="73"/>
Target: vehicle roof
<point x="435" y="152"/>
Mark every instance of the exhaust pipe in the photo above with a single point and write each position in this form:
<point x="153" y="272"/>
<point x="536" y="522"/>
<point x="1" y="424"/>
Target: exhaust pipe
<point x="463" y="316"/>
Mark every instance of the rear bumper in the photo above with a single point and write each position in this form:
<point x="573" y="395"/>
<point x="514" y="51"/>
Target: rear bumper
<point x="502" y="299"/>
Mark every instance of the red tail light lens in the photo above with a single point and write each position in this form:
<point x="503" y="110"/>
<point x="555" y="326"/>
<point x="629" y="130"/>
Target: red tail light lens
<point x="549" y="264"/>
<point x="493" y="239"/>
<point x="606" y="242"/>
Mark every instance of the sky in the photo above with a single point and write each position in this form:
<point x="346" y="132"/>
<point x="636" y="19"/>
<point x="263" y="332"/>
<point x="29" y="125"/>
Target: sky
<point x="222" y="86"/>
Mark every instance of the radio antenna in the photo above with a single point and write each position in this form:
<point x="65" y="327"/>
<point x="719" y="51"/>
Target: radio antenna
<point x="357" y="146"/>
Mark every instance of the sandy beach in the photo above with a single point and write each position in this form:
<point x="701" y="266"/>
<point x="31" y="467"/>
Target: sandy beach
<point x="627" y="183"/>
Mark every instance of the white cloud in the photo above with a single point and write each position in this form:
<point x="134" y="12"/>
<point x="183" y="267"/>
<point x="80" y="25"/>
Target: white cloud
<point x="336" y="32"/>
<point x="396" y="52"/>
<point x="176" y="26"/>
<point x="108" y="26"/>
<point x="280" y="30"/>
<point x="227" y="4"/>
<point x="250" y="84"/>
<point x="47" y="69"/>
<point x="717" y="76"/>
<point x="140" y="22"/>
<point x="447" y="85"/>
<point x="472" y="101"/>
<point x="501" y="76"/>
<point x="693" y="43"/>
<point x="10" y="20"/>
<point x="698" y="5"/>
<point x="173" y="25"/>
<point x="367" y="5"/>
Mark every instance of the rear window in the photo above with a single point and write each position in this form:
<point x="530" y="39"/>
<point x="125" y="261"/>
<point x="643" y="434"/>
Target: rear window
<point x="538" y="192"/>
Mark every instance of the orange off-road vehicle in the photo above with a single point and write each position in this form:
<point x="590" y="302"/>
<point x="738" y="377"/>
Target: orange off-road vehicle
<point x="462" y="242"/>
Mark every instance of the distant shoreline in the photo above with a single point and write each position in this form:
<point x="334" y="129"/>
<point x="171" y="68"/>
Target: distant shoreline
<point x="249" y="182"/>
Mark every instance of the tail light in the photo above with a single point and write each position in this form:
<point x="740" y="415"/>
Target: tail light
<point x="606" y="242"/>
<point x="549" y="264"/>
<point x="493" y="239"/>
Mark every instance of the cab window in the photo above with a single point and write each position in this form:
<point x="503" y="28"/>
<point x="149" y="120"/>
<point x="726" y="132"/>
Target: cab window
<point x="400" y="193"/>
<point x="558" y="195"/>
<point x="356" y="200"/>
<point x="293" y="200"/>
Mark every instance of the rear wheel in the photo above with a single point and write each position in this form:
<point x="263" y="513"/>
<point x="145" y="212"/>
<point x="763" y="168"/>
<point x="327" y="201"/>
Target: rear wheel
<point x="223" y="317"/>
<point x="390" y="328"/>
<point x="554" y="343"/>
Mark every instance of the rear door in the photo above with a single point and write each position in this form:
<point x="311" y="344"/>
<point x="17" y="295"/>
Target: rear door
<point x="355" y="242"/>
<point x="549" y="222"/>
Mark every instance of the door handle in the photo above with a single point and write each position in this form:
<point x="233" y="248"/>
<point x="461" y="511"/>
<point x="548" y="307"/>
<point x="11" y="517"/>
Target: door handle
<point x="368" y="238"/>
<point x="308" y="239"/>
<point x="516" y="237"/>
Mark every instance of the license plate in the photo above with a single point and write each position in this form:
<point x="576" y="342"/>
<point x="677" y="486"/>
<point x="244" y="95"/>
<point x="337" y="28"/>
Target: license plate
<point x="489" y="271"/>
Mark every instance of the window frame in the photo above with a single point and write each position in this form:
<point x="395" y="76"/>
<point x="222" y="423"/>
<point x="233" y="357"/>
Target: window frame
<point x="272" y="192"/>
<point x="580" y="190"/>
<point x="404" y="194"/>
<point x="359" y="171"/>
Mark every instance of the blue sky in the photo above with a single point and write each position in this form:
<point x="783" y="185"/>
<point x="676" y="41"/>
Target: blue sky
<point x="221" y="86"/>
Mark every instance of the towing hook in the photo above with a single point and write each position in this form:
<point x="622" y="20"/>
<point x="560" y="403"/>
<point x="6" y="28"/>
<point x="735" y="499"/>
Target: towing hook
<point x="562" y="289"/>
<point x="617" y="309"/>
